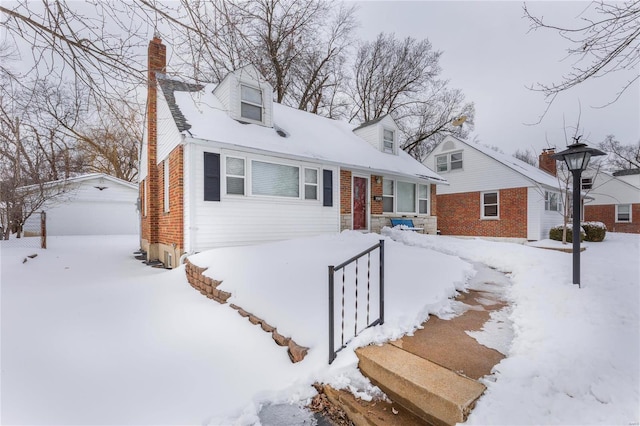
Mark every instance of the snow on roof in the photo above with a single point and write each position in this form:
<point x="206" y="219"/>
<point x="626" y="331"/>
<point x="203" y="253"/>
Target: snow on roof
<point x="307" y="136"/>
<point x="85" y="177"/>
<point x="527" y="170"/>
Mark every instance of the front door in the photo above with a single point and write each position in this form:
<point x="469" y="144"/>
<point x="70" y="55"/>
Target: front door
<point x="359" y="203"/>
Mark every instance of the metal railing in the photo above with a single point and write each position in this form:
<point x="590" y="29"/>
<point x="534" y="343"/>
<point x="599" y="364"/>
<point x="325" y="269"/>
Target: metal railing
<point x="356" y="297"/>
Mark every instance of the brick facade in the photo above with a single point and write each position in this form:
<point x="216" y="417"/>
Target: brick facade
<point x="162" y="231"/>
<point x="546" y="163"/>
<point x="345" y="192"/>
<point x="463" y="215"/>
<point x="171" y="223"/>
<point x="377" y="218"/>
<point x="607" y="215"/>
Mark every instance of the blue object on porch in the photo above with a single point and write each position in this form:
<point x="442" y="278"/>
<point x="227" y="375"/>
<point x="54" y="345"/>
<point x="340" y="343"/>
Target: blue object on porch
<point x="405" y="224"/>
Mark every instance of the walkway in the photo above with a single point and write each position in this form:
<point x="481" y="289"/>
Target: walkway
<point x="457" y="343"/>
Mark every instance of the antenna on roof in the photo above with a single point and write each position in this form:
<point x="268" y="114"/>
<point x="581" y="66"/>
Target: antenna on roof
<point x="459" y="121"/>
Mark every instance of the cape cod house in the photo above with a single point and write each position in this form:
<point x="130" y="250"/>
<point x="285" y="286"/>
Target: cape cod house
<point x="494" y="195"/>
<point x="615" y="199"/>
<point x="224" y="165"/>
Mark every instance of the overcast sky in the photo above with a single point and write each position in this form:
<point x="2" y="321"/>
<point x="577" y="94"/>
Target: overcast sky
<point x="489" y="55"/>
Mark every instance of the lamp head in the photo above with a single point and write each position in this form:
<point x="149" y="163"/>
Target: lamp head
<point x="577" y="156"/>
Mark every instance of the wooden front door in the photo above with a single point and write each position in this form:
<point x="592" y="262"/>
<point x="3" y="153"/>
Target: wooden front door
<point x="359" y="203"/>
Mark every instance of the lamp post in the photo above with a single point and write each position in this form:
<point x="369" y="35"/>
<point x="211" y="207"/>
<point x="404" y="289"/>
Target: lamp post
<point x="577" y="157"/>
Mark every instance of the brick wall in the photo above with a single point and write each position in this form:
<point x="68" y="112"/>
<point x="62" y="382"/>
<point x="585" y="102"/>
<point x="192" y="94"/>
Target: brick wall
<point x="171" y="230"/>
<point x="376" y="191"/>
<point x="459" y="214"/>
<point x="157" y="59"/>
<point x="546" y="163"/>
<point x="208" y="287"/>
<point x="345" y="192"/>
<point x="434" y="201"/>
<point x="607" y="215"/>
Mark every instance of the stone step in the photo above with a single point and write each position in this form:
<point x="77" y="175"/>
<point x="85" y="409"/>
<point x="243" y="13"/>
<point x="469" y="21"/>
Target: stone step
<point x="435" y="394"/>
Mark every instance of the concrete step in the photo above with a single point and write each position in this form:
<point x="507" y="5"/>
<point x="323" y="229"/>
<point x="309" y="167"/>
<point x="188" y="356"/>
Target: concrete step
<point x="371" y="413"/>
<point x="433" y="393"/>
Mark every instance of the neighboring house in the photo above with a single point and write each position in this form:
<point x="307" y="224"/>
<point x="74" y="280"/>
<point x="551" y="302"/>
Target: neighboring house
<point x="491" y="194"/>
<point x="616" y="199"/>
<point x="224" y="165"/>
<point x="91" y="204"/>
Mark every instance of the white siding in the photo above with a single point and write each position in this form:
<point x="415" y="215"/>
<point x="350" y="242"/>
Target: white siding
<point x="608" y="189"/>
<point x="240" y="220"/>
<point x="540" y="221"/>
<point x="168" y="135"/>
<point x="632" y="179"/>
<point x="374" y="132"/>
<point x="479" y="172"/>
<point x="228" y="92"/>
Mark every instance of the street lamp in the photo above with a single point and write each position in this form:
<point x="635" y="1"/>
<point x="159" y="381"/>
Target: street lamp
<point x="577" y="158"/>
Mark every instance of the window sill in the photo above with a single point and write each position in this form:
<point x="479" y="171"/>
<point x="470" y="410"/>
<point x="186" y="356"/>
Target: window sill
<point x="489" y="218"/>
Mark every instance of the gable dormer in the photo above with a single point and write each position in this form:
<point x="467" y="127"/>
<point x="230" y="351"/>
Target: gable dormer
<point x="448" y="155"/>
<point x="247" y="96"/>
<point x="381" y="133"/>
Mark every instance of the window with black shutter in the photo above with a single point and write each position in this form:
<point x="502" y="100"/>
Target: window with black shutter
<point x="327" y="188"/>
<point x="211" y="176"/>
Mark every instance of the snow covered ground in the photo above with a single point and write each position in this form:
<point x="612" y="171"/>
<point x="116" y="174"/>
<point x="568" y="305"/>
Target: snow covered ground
<point x="90" y="335"/>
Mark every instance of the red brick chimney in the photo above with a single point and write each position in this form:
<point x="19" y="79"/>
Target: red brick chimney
<point x="157" y="62"/>
<point x="546" y="163"/>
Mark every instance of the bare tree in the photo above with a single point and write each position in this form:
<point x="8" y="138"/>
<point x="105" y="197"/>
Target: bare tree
<point x="300" y="46"/>
<point x="606" y="40"/>
<point x="30" y="156"/>
<point x="399" y="77"/>
<point x="621" y="157"/>
<point x="74" y="40"/>
<point x="527" y="156"/>
<point x="106" y="138"/>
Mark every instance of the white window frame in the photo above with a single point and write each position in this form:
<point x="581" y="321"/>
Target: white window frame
<point x="146" y="196"/>
<point x="415" y="198"/>
<point x="395" y="196"/>
<point x="392" y="195"/>
<point x="243" y="101"/>
<point x="424" y="199"/>
<point x="391" y="150"/>
<point x="305" y="183"/>
<point x="483" y="205"/>
<point x="166" y="186"/>
<point x="547" y="201"/>
<point x="227" y="175"/>
<point x="618" y="213"/>
<point x="448" y="163"/>
<point x="285" y="197"/>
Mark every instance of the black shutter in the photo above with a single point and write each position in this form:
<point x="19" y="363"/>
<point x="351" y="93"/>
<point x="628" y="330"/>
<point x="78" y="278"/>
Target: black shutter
<point x="211" y="176"/>
<point x="327" y="188"/>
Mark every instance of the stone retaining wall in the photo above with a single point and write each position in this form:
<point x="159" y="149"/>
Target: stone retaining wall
<point x="208" y="287"/>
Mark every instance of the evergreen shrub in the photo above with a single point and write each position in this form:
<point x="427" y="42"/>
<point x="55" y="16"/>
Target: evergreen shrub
<point x="555" y="233"/>
<point x="595" y="231"/>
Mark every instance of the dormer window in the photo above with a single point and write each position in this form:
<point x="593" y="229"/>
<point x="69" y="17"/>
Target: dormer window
<point x="387" y="141"/>
<point x="250" y="103"/>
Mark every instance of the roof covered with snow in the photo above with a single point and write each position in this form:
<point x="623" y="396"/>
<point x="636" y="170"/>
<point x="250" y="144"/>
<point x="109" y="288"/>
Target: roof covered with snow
<point x="527" y="170"/>
<point x="296" y="134"/>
